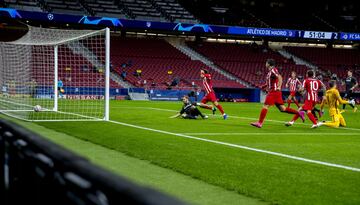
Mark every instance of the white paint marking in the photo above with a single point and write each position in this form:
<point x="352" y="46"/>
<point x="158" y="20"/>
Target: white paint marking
<point x="242" y="147"/>
<point x="268" y="133"/>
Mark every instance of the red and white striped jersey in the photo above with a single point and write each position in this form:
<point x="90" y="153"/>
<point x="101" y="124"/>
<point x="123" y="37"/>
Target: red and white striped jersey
<point x="312" y="87"/>
<point x="293" y="84"/>
<point x="207" y="82"/>
<point x="272" y="80"/>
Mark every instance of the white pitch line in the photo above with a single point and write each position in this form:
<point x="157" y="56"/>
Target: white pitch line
<point x="241" y="147"/>
<point x="267" y="133"/>
<point x="233" y="116"/>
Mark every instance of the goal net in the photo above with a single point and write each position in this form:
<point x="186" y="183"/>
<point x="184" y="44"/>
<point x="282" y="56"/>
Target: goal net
<point x="56" y="75"/>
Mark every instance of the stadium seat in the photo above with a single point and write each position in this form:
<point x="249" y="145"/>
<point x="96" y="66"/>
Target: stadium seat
<point x="246" y="61"/>
<point x="155" y="58"/>
<point x="70" y="71"/>
<point x="336" y="61"/>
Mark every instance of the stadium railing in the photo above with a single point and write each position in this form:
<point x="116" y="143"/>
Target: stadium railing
<point x="37" y="171"/>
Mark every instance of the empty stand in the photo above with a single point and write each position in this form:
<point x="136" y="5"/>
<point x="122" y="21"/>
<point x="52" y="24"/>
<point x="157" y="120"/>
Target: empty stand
<point x="143" y="10"/>
<point x="30" y="5"/>
<point x="247" y="61"/>
<point x="327" y="56"/>
<point x="155" y="58"/>
<point x="66" y="7"/>
<point x="105" y="8"/>
<point x="336" y="61"/>
<point x="176" y="12"/>
<point x="150" y="10"/>
<point x="74" y="70"/>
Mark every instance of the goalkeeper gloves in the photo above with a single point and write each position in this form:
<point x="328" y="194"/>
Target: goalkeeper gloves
<point x="352" y="102"/>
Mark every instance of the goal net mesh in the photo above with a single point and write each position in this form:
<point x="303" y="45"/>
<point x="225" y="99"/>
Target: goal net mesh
<point x="62" y="72"/>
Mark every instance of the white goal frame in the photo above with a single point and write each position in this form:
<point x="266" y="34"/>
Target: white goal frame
<point x="55" y="44"/>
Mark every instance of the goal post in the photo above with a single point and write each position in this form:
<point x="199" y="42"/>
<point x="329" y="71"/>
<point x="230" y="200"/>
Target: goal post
<point x="107" y="75"/>
<point x="56" y="78"/>
<point x="65" y="72"/>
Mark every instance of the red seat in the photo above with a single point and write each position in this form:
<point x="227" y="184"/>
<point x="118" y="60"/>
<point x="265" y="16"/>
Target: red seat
<point x="155" y="57"/>
<point x="329" y="59"/>
<point x="245" y="61"/>
<point x="74" y="77"/>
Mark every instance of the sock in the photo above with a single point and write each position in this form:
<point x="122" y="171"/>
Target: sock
<point x="313" y="112"/>
<point x="220" y="109"/>
<point x="291" y="111"/>
<point x="296" y="103"/>
<point x="332" y="124"/>
<point x="289" y="102"/>
<point x="190" y="117"/>
<point x="351" y="105"/>
<point x="296" y="116"/>
<point x="344" y="105"/>
<point x="262" y="115"/>
<point x="311" y="117"/>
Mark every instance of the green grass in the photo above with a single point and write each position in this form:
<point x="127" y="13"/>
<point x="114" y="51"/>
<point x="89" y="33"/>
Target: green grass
<point x="262" y="176"/>
<point x="68" y="109"/>
<point x="145" y="173"/>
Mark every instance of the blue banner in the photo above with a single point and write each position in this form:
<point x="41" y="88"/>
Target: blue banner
<point x="262" y="32"/>
<point x="171" y="95"/>
<point x="350" y="36"/>
<point x="175" y="27"/>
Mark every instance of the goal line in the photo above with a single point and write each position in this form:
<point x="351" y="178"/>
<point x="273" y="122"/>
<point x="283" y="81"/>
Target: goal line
<point x="8" y="113"/>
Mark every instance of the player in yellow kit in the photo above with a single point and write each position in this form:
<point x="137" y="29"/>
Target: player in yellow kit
<point x="333" y="100"/>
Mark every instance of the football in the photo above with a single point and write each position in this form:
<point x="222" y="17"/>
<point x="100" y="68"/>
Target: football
<point x="37" y="108"/>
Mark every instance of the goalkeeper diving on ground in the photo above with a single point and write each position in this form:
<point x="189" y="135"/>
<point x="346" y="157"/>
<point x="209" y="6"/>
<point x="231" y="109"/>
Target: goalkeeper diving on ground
<point x="333" y="100"/>
<point x="189" y="110"/>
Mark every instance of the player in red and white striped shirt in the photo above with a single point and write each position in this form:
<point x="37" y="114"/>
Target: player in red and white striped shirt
<point x="274" y="96"/>
<point x="311" y="86"/>
<point x="293" y="83"/>
<point x="209" y="93"/>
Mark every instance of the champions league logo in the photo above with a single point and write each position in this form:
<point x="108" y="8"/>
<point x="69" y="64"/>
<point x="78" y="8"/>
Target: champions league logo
<point x="206" y="28"/>
<point x="50" y="17"/>
<point x="148" y="24"/>
<point x="96" y="21"/>
<point x="345" y="36"/>
<point x="13" y="13"/>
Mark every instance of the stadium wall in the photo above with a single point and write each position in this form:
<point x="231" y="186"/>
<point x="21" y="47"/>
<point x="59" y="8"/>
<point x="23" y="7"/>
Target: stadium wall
<point x="173" y="95"/>
<point x="239" y="94"/>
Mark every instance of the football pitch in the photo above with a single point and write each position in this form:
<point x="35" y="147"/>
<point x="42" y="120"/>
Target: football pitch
<point x="216" y="161"/>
